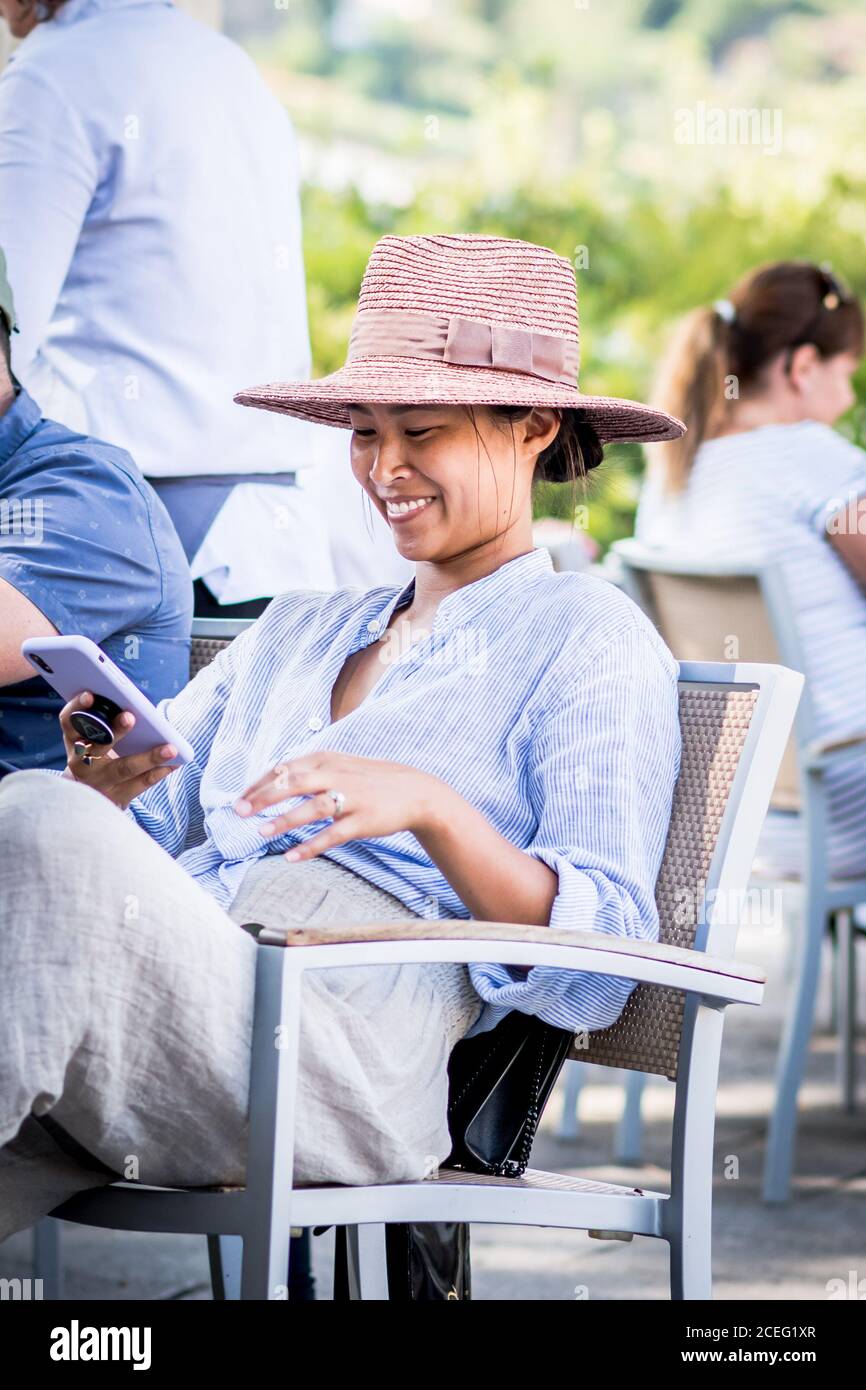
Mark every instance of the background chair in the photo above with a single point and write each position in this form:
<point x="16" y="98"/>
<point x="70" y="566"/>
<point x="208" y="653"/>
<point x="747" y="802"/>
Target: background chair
<point x="700" y="611"/>
<point x="735" y="720"/>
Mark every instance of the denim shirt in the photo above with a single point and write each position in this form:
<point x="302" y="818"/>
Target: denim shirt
<point x="88" y="542"/>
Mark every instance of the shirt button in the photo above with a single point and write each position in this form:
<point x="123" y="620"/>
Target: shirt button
<point x="431" y="904"/>
<point x="373" y="625"/>
<point x="315" y="723"/>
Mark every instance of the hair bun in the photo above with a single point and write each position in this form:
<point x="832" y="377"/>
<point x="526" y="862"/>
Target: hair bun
<point x="577" y="448"/>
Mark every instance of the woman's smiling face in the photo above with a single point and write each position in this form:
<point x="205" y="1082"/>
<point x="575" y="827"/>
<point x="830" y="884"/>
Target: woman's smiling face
<point x="442" y="488"/>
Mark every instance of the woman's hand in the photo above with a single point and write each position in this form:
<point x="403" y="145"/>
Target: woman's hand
<point x="380" y="798"/>
<point x="494" y="879"/>
<point x="119" y="779"/>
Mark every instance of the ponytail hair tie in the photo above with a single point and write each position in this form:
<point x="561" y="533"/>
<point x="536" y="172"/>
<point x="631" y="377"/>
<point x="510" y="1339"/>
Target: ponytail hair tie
<point x="725" y="310"/>
<point x="833" y="292"/>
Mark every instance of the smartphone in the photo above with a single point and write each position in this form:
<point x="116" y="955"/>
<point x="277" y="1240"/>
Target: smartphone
<point x="74" y="664"/>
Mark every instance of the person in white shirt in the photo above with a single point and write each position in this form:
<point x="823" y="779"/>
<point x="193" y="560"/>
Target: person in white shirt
<point x="150" y="214"/>
<point x="761" y="476"/>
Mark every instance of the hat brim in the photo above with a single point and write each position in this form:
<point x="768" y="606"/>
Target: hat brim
<point x="415" y="381"/>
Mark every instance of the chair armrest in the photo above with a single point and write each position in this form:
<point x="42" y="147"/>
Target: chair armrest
<point x="826" y="753"/>
<point x="513" y="943"/>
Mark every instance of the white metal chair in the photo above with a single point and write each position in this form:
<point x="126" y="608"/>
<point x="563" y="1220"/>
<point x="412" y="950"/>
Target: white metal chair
<point x="699" y="609"/>
<point x="735" y="720"/>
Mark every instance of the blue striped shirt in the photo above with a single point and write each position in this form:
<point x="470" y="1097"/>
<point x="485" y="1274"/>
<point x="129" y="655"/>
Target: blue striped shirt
<point x="548" y="701"/>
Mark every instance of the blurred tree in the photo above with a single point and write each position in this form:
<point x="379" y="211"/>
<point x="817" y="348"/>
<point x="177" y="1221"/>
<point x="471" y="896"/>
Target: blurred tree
<point x="658" y="13"/>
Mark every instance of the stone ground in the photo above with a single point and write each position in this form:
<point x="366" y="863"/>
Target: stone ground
<point x="781" y="1252"/>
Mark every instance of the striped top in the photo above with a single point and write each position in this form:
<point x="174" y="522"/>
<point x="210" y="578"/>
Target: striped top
<point x="765" y="496"/>
<point x="546" y="700"/>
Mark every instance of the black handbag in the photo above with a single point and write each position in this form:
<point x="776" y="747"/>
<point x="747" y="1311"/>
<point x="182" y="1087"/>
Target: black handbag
<point x="498" y="1084"/>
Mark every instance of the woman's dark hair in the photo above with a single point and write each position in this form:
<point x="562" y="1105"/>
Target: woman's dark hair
<point x="5" y="346"/>
<point x="575" y="450"/>
<point x="773" y="309"/>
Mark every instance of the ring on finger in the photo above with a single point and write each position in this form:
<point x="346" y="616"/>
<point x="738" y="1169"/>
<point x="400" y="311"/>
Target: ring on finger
<point x="339" y="801"/>
<point x="82" y="751"/>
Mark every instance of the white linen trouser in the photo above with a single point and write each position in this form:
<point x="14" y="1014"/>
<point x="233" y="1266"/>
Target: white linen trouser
<point x="126" y="999"/>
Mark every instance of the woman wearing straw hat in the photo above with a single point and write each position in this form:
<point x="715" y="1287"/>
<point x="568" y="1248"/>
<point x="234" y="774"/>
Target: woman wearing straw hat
<point x="494" y="740"/>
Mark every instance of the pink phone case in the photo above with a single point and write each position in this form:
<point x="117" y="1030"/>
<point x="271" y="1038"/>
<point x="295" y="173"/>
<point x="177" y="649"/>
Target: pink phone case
<point x="77" y="664"/>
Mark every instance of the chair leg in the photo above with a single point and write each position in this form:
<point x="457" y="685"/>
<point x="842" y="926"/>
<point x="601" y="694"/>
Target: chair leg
<point x="628" y="1147"/>
<point x="266" y="1257"/>
<point x="833" y="1022"/>
<point x="367" y="1262"/>
<point x="270" y="1154"/>
<point x="688" y="1215"/>
<point x="793" y="917"/>
<point x="569" y="1121"/>
<point x="47" y="1258"/>
<point x="846" y="1008"/>
<point x="225" y="1255"/>
<point x="794" y="1048"/>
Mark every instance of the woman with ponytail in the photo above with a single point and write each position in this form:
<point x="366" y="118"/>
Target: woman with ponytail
<point x="761" y="476"/>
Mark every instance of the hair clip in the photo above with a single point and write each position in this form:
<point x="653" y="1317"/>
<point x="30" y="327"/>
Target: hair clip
<point x="834" y="294"/>
<point x="725" y="310"/>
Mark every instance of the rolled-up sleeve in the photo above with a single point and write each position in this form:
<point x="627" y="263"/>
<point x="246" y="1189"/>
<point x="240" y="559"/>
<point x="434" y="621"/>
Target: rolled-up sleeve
<point x="603" y="764"/>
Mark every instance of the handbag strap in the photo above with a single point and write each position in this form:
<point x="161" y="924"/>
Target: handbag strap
<point x="515" y="1168"/>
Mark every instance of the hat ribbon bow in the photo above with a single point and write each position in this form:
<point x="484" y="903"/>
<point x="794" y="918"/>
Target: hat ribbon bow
<point x="463" y="342"/>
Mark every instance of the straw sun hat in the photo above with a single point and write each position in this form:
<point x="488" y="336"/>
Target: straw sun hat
<point x="476" y="320"/>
